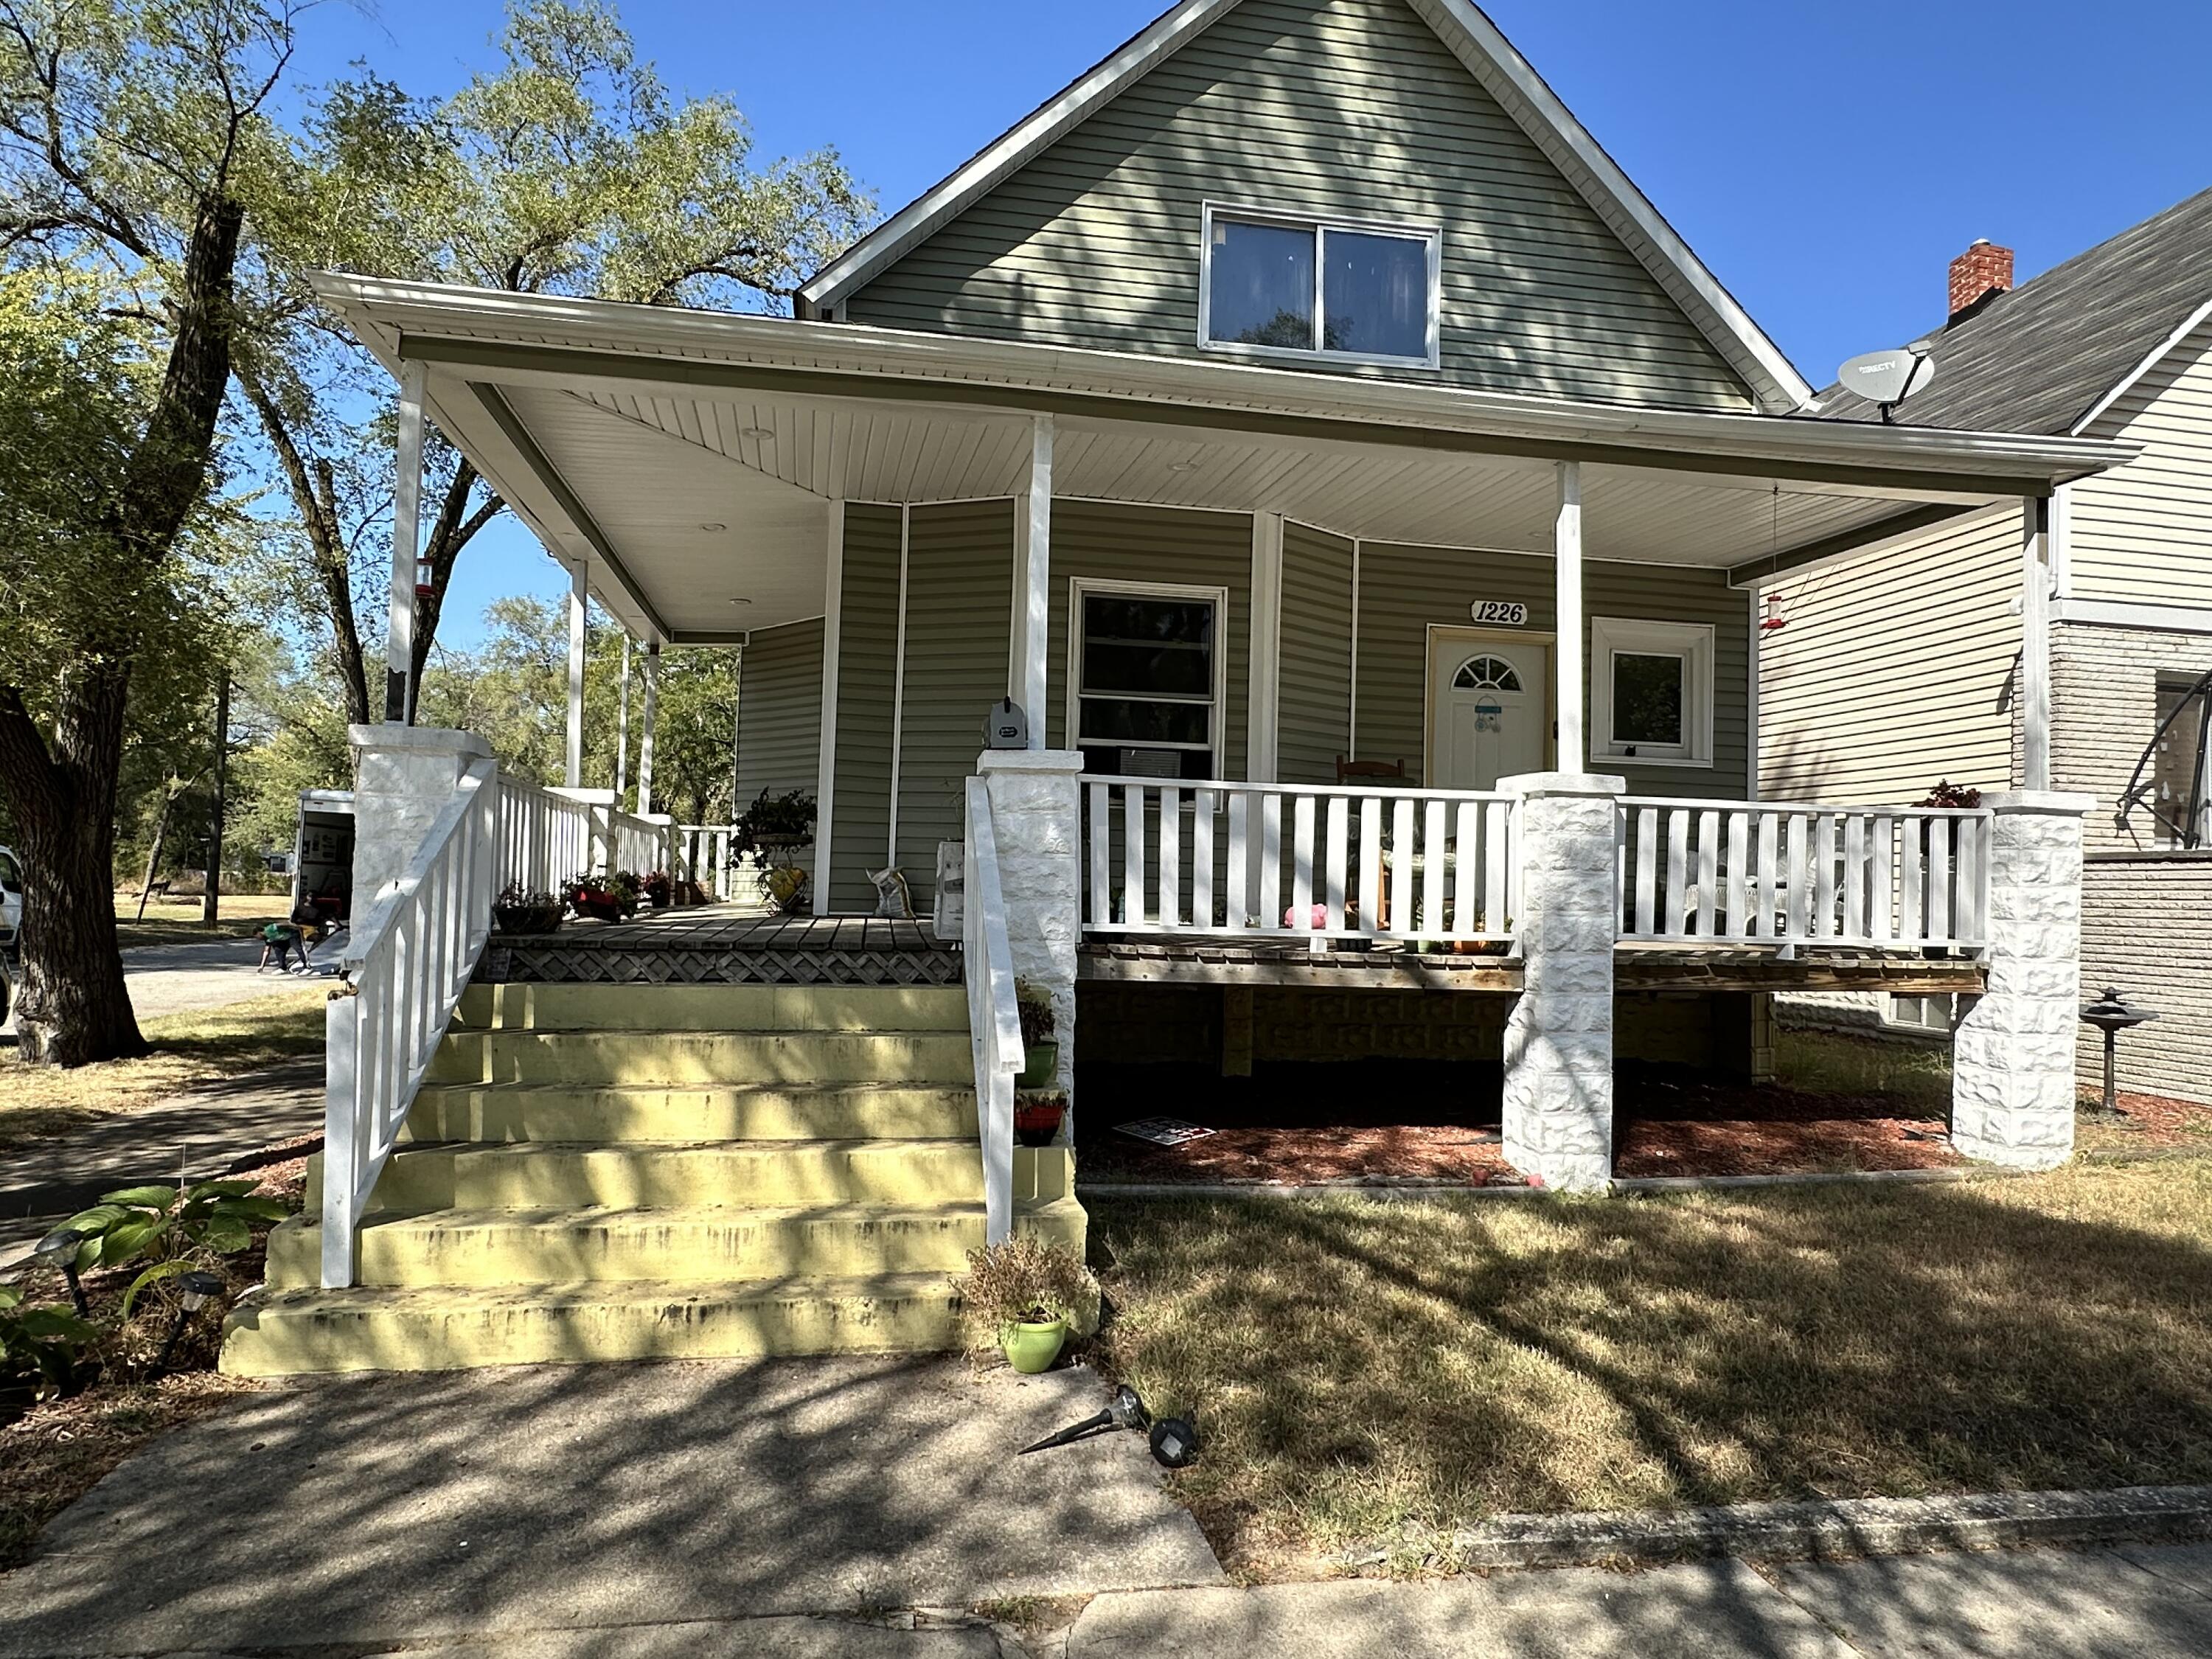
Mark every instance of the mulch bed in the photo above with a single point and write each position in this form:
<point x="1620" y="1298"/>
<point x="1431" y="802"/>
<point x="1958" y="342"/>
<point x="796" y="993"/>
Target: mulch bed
<point x="2143" y="1123"/>
<point x="1671" y="1125"/>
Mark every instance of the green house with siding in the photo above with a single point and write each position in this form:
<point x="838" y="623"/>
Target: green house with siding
<point x="1348" y="496"/>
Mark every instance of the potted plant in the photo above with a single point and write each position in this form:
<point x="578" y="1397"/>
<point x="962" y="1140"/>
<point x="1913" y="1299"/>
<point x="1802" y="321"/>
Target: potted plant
<point x="1037" y="1116"/>
<point x="518" y="910"/>
<point x="1021" y="1294"/>
<point x="1041" y="1053"/>
<point x="603" y="898"/>
<point x="784" y="885"/>
<point x="774" y="824"/>
<point x="658" y="891"/>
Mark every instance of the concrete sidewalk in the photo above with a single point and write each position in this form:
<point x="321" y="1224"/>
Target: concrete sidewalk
<point x="405" y="1508"/>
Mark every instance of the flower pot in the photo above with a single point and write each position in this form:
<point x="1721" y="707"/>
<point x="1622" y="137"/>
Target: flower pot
<point x="606" y="908"/>
<point x="1041" y="1064"/>
<point x="1037" y="1124"/>
<point x="526" y="918"/>
<point x="1031" y="1348"/>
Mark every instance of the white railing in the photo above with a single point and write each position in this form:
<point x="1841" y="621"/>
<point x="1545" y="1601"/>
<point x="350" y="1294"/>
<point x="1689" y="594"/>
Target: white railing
<point x="994" y="1023"/>
<point x="704" y="854"/>
<point x="638" y="845"/>
<point x="406" y="962"/>
<point x="544" y="838"/>
<point x="1889" y="877"/>
<point x="1290" y="860"/>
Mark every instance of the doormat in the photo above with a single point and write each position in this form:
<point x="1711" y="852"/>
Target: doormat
<point x="1162" y="1131"/>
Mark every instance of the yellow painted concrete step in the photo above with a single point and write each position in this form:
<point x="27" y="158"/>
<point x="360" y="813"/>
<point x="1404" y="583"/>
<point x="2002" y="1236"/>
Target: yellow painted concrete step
<point x="904" y="1058"/>
<point x="285" y="1332"/>
<point x="531" y="1174"/>
<point x="648" y="1112"/>
<point x="715" y="1007"/>
<point x="711" y="1245"/>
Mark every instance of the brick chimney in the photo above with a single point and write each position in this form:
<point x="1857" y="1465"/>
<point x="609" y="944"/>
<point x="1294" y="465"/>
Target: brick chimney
<point x="1982" y="271"/>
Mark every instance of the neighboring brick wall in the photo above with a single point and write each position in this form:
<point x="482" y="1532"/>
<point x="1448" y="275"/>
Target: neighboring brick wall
<point x="2147" y="928"/>
<point x="2104" y="697"/>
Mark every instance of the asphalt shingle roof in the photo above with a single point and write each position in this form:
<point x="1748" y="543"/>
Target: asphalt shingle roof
<point x="2038" y="359"/>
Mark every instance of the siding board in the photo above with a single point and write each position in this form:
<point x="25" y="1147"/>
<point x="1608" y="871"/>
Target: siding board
<point x="1313" y="715"/>
<point x="2142" y="533"/>
<point x="780" y="711"/>
<point x="1351" y="108"/>
<point x="866" y="661"/>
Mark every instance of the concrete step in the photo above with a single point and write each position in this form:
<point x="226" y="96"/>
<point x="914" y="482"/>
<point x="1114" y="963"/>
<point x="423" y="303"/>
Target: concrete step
<point x="908" y="1059"/>
<point x="715" y="1007"/>
<point x="485" y="1248"/>
<point x="646" y="1113"/>
<point x="550" y="1174"/>
<point x="285" y="1333"/>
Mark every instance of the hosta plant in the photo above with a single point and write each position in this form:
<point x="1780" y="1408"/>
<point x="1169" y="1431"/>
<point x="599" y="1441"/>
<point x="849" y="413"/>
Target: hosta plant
<point x="172" y="1229"/>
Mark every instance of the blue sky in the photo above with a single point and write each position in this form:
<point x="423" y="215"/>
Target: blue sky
<point x="1827" y="160"/>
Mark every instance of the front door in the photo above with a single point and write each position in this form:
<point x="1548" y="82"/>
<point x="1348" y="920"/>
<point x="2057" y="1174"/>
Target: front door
<point x="1489" y="708"/>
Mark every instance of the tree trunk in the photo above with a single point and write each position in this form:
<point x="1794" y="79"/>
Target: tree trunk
<point x="211" y="899"/>
<point x="74" y="1007"/>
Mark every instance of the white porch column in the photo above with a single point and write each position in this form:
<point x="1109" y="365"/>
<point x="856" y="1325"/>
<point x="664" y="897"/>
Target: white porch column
<point x="572" y="771"/>
<point x="402" y="776"/>
<point x="2035" y="642"/>
<point x="1264" y="661"/>
<point x="826" y="775"/>
<point x="1036" y="811"/>
<point x="1027" y="679"/>
<point x="406" y="551"/>
<point x="2012" y="1066"/>
<point x="1567" y="576"/>
<point x="1558" y="1036"/>
<point x="622" y="722"/>
<point x="652" y="726"/>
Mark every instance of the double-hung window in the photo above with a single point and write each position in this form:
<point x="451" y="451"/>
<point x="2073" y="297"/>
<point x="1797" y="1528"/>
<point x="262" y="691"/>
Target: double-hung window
<point x="1651" y="691"/>
<point x="1327" y="289"/>
<point x="2181" y="767"/>
<point x="1147" y="678"/>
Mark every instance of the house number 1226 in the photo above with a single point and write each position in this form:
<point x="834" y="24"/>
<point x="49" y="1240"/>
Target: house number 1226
<point x="1505" y="613"/>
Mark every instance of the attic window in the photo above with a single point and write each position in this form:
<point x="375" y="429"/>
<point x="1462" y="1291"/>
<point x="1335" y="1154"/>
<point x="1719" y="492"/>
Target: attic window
<point x="1329" y="290"/>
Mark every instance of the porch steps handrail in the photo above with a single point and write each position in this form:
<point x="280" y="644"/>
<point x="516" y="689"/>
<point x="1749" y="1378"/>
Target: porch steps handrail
<point x="405" y="964"/>
<point x="1307" y="861"/>
<point x="994" y="1021"/>
<point x="1789" y="873"/>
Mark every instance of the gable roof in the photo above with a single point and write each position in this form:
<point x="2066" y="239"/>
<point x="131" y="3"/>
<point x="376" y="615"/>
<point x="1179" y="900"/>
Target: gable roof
<point x="2052" y="354"/>
<point x="1492" y="61"/>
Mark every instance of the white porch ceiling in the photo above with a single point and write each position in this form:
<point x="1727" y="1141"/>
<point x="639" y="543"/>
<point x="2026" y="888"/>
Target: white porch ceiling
<point x="652" y="467"/>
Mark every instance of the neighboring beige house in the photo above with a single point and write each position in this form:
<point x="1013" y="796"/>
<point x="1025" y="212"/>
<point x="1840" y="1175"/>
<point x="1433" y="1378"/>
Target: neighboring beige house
<point x="1886" y="676"/>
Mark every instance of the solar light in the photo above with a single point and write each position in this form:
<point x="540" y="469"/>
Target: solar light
<point x="197" y="1287"/>
<point x="59" y="1249"/>
<point x="1125" y="1410"/>
<point x="1175" y="1443"/>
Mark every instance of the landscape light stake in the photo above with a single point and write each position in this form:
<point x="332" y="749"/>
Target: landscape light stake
<point x="1173" y="1442"/>
<point x="198" y="1288"/>
<point x="59" y="1249"/>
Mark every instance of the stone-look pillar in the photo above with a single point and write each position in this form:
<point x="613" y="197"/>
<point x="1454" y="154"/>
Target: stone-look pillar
<point x="1036" y="813"/>
<point x="403" y="777"/>
<point x="2012" y="1068"/>
<point x="1558" y="1036"/>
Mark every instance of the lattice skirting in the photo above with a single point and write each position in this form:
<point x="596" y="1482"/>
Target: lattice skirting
<point x="558" y="962"/>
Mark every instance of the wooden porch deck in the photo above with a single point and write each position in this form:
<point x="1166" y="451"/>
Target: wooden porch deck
<point x="724" y="944"/>
<point x="1636" y="967"/>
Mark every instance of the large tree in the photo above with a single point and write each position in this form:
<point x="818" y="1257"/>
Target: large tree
<point x="568" y="168"/>
<point x="133" y="137"/>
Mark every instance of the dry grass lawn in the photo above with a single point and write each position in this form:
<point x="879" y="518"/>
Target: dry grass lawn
<point x="202" y="1046"/>
<point x="177" y="921"/>
<point x="1364" y="1370"/>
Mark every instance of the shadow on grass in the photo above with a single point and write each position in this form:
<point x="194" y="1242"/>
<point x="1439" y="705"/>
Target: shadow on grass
<point x="1359" y="1366"/>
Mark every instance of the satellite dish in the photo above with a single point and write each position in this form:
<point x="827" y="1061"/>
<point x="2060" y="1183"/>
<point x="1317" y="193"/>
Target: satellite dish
<point x="1887" y="378"/>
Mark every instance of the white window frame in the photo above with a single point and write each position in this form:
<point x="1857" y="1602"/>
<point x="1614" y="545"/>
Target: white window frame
<point x="1072" y="720"/>
<point x="1636" y="637"/>
<point x="1431" y="236"/>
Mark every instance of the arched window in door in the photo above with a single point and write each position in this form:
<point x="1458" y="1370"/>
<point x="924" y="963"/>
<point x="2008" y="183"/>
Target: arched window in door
<point x="1486" y="674"/>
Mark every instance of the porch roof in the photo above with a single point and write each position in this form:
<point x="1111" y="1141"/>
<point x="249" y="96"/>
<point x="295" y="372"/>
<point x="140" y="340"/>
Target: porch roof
<point x="688" y="457"/>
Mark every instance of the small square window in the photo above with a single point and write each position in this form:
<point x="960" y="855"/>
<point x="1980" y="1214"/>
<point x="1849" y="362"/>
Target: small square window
<point x="1146" y="679"/>
<point x="1651" y="691"/>
<point x="1309" y="287"/>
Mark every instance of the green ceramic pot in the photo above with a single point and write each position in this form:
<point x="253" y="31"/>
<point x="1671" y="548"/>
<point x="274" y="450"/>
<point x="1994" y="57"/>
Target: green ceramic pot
<point x="1040" y="1064"/>
<point x="1032" y="1348"/>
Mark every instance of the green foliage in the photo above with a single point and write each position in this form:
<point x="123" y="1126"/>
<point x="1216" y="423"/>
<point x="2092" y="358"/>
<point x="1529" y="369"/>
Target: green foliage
<point x="1033" y="1004"/>
<point x="1021" y="1279"/>
<point x="173" y="1228"/>
<point x="791" y="814"/>
<point x="41" y="1348"/>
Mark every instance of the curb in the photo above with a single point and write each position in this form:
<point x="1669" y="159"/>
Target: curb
<point x="1822" y="1529"/>
<point x="1405" y="1191"/>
